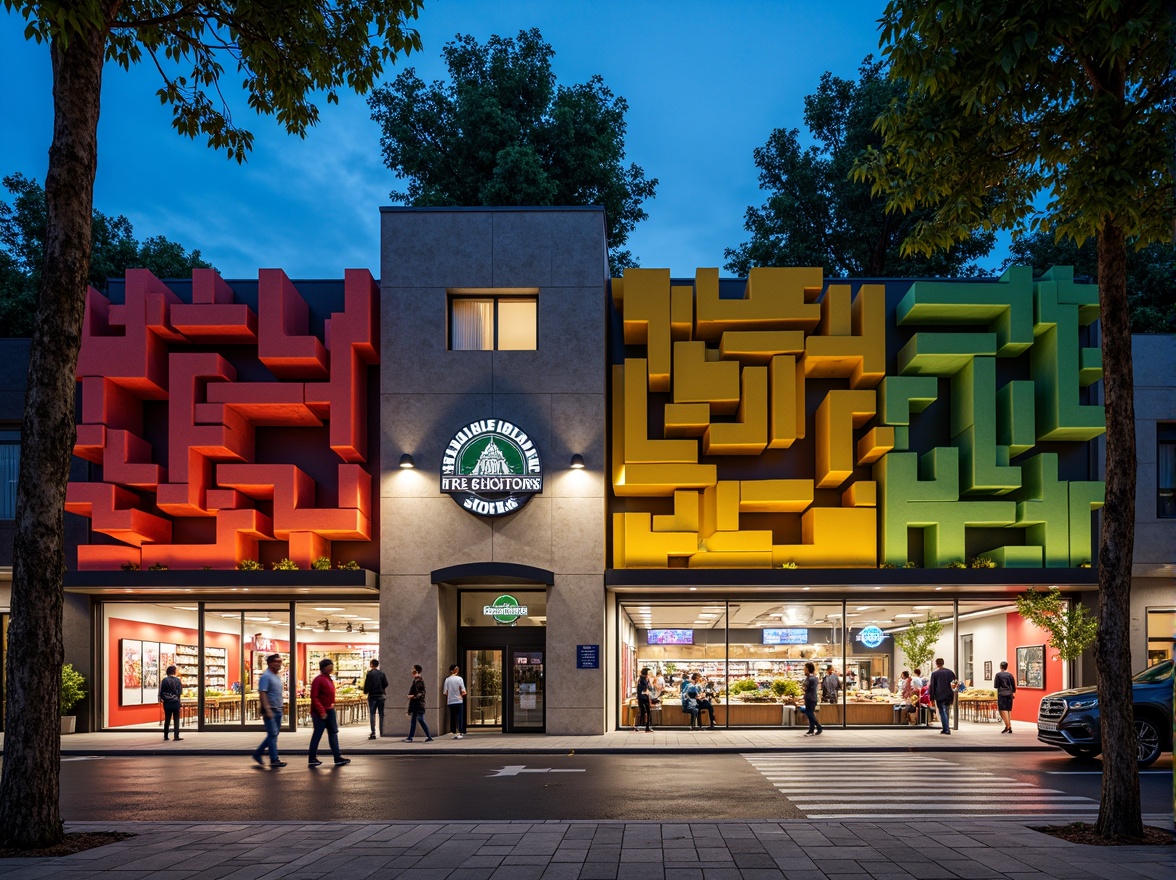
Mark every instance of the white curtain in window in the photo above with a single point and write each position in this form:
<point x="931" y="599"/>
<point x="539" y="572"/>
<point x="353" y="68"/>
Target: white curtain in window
<point x="473" y="325"/>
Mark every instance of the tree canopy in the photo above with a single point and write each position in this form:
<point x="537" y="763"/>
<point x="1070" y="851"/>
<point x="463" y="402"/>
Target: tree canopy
<point x="501" y="131"/>
<point x="1151" y="274"/>
<point x="1008" y="102"/>
<point x="816" y="215"/>
<point x="115" y="249"/>
<point x="285" y="55"/>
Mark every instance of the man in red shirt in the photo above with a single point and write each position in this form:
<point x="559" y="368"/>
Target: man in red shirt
<point x="322" y="714"/>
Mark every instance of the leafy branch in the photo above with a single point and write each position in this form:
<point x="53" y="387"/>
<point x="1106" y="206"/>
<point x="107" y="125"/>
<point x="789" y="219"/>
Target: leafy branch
<point x="1071" y="626"/>
<point x="917" y="642"/>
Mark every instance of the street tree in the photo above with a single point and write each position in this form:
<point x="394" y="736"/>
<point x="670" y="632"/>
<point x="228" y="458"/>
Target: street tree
<point x="1071" y="627"/>
<point x="501" y="131"/>
<point x="286" y="55"/>
<point x="815" y="214"/>
<point x="917" y="642"/>
<point x="114" y="249"/>
<point x="1151" y="274"/>
<point x="1006" y="102"/>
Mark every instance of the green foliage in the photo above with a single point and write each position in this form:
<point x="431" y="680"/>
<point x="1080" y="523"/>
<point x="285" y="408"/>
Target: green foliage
<point x="130" y="566"/>
<point x="349" y="565"/>
<point x="249" y="565"/>
<point x="1007" y="102"/>
<point x="742" y="686"/>
<point x="1071" y="627"/>
<point x="982" y="562"/>
<point x="114" y="249"/>
<point x="502" y="132"/>
<point x="788" y="565"/>
<point x="157" y="566"/>
<point x="956" y="563"/>
<point x="816" y="215"/>
<point x="320" y="563"/>
<point x="73" y="688"/>
<point x="785" y="687"/>
<point x="918" y="640"/>
<point x="285" y="564"/>
<point x="283" y="54"/>
<point x="1151" y="274"/>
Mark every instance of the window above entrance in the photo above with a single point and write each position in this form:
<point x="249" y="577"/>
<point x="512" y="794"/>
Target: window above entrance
<point x="493" y="320"/>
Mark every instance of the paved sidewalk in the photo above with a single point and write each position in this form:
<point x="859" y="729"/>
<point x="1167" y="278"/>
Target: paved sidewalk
<point x="795" y="849"/>
<point x="354" y="741"/>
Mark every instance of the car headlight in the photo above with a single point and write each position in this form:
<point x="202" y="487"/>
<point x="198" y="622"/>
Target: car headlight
<point x="1084" y="703"/>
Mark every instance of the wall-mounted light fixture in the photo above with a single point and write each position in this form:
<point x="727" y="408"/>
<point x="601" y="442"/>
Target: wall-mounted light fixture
<point x="577" y="462"/>
<point x="406" y="462"/>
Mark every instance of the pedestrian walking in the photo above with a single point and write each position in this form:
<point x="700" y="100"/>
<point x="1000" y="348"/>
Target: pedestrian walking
<point x="322" y="715"/>
<point x="455" y="693"/>
<point x="170" y="691"/>
<point x="831" y="685"/>
<point x="1006" y="689"/>
<point x="942" y="693"/>
<point x="811" y="685"/>
<point x="375" y="685"/>
<point x="644" y="702"/>
<point x="269" y="695"/>
<point x="416" y="705"/>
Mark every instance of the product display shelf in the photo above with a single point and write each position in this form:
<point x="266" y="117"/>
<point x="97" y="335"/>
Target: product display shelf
<point x="736" y="670"/>
<point x="215" y="668"/>
<point x="188" y="668"/>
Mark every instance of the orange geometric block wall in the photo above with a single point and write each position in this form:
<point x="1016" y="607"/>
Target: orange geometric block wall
<point x="153" y="350"/>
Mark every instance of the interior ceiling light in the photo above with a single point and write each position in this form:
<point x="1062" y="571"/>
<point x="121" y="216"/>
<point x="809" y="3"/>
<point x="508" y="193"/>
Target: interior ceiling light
<point x="922" y="607"/>
<point x="863" y="607"/>
<point x="330" y="608"/>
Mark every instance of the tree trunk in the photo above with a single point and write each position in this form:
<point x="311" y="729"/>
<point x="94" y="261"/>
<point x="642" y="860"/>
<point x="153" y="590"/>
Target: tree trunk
<point x="1120" y="813"/>
<point x="30" y="814"/>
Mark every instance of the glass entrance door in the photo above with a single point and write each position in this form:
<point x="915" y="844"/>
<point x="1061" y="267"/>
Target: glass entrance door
<point x="484" y="688"/>
<point x="526" y="705"/>
<point x="234" y="643"/>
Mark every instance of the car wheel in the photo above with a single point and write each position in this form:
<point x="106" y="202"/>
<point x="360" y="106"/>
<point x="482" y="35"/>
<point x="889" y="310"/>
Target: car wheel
<point x="1085" y="753"/>
<point x="1147" y="737"/>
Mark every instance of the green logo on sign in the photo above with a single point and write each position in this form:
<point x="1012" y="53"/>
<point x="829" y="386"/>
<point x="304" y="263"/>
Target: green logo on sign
<point x="506" y="609"/>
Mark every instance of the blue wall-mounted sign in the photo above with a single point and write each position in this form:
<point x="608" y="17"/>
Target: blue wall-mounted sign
<point x="587" y="656"/>
<point x="871" y="636"/>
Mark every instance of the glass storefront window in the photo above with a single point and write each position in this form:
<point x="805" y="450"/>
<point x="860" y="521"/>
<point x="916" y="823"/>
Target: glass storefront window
<point x="1161" y="632"/>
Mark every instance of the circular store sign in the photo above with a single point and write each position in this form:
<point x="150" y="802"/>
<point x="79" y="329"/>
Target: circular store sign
<point x="506" y="609"/>
<point x="871" y="636"/>
<point x="491" y="468"/>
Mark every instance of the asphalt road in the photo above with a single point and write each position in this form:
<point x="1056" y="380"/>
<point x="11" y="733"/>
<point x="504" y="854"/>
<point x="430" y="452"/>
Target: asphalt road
<point x="543" y="786"/>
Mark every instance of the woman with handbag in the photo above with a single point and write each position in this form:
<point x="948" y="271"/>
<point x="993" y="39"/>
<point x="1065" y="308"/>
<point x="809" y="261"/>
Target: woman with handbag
<point x="1006" y="688"/>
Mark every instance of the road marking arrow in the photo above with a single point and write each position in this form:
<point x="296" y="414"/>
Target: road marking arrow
<point x="516" y="769"/>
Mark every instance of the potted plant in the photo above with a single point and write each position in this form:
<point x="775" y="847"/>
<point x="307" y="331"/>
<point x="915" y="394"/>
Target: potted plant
<point x="73" y="691"/>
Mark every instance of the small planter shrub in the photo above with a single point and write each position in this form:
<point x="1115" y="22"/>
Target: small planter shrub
<point x="349" y="565"/>
<point x="983" y="562"/>
<point x="955" y="563"/>
<point x="130" y="566"/>
<point x="159" y="566"/>
<point x="286" y="564"/>
<point x="322" y="563"/>
<point x="248" y="565"/>
<point x="73" y="688"/>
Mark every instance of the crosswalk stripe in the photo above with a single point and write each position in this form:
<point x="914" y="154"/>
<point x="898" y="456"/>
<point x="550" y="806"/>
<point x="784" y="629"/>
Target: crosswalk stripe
<point x="885" y="790"/>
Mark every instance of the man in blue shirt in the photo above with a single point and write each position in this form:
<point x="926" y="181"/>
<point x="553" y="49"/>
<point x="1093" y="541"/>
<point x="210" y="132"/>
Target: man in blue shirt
<point x="269" y="690"/>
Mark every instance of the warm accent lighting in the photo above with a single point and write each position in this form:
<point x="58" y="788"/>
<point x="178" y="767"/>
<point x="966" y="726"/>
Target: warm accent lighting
<point x="406" y="462"/>
<point x="577" y="462"/>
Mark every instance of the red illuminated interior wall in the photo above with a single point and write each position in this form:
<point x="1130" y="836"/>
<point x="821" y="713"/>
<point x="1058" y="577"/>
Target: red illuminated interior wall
<point x="1021" y="633"/>
<point x="151" y="712"/>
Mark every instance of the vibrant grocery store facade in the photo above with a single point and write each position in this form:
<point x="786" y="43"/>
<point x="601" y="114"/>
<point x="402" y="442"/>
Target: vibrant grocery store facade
<point x="497" y="456"/>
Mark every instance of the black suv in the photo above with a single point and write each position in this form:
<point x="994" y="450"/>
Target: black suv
<point x="1069" y="719"/>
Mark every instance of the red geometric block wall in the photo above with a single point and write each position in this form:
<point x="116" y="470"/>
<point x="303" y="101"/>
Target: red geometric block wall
<point x="154" y="349"/>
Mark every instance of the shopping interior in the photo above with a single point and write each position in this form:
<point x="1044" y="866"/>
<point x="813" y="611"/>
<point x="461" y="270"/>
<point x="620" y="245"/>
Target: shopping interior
<point x="754" y="653"/>
<point x="219" y="652"/>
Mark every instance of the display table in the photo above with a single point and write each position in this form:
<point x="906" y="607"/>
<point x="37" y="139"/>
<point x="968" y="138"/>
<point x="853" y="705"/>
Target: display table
<point x="850" y="713"/>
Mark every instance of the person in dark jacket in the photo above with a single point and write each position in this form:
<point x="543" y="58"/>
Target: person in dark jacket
<point x="375" y="685"/>
<point x="170" y="691"/>
<point x="942" y="693"/>
<point x="811" y="684"/>
<point x="416" y="705"/>
<point x="644" y="704"/>
<point x="1006" y="689"/>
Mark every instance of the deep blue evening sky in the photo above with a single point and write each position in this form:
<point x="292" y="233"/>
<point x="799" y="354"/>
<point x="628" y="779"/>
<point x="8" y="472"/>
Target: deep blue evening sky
<point x="706" y="83"/>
